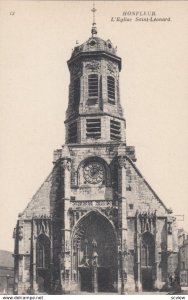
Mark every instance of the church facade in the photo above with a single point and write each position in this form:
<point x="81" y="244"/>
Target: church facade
<point x="95" y="225"/>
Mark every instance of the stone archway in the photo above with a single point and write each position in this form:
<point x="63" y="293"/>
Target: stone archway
<point x="95" y="266"/>
<point x="147" y="261"/>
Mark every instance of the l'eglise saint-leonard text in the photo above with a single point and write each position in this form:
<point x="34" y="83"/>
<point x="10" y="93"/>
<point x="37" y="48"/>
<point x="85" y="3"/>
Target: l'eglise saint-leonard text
<point x="138" y="19"/>
<point x="139" y="16"/>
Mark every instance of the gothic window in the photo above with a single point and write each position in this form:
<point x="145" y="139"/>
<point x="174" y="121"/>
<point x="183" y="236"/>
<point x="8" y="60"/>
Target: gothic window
<point x="147" y="250"/>
<point x="93" y="85"/>
<point x="111" y="89"/>
<point x="115" y="130"/>
<point x="76" y="92"/>
<point x="93" y="128"/>
<point x="72" y="132"/>
<point x="43" y="252"/>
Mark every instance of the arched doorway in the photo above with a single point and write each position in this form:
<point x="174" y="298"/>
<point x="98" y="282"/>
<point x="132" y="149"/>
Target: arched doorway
<point x="43" y="263"/>
<point x="147" y="261"/>
<point x="95" y="264"/>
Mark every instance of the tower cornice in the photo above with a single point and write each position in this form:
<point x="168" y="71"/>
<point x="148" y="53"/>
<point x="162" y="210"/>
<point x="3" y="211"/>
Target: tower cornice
<point x="73" y="117"/>
<point x="95" y="54"/>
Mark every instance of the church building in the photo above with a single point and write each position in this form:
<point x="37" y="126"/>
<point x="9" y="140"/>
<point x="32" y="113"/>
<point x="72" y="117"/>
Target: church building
<point x="95" y="224"/>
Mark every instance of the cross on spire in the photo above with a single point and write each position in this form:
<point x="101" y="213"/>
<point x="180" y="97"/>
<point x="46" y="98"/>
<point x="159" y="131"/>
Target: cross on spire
<point x="94" y="28"/>
<point x="93" y="11"/>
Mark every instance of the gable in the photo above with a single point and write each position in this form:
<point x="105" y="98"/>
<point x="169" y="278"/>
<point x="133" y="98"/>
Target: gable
<point x="140" y="193"/>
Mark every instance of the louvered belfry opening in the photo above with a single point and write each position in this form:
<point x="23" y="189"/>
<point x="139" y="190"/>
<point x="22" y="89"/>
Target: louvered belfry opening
<point x="93" y="86"/>
<point x="111" y="89"/>
<point x="115" y="130"/>
<point x="93" y="128"/>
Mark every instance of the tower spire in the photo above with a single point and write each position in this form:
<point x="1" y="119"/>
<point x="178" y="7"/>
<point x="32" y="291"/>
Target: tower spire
<point x="94" y="27"/>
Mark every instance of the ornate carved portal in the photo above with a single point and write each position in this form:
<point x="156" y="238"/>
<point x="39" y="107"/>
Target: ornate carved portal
<point x="95" y="254"/>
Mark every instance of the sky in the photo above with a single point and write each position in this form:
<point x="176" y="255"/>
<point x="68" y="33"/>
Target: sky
<point x="36" y="40"/>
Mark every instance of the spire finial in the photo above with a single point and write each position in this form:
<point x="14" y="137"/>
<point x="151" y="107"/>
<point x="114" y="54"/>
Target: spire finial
<point x="94" y="28"/>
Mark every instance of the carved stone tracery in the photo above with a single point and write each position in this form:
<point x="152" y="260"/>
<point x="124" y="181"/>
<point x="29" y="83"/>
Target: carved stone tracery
<point x="66" y="164"/>
<point x="93" y="66"/>
<point x="122" y="161"/>
<point x="147" y="221"/>
<point x="111" y="213"/>
<point x="111" y="68"/>
<point x="80" y="231"/>
<point x="43" y="226"/>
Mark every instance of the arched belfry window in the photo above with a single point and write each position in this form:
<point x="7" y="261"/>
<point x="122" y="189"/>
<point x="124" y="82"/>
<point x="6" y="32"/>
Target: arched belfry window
<point x="111" y="89"/>
<point x="93" y="85"/>
<point x="43" y="252"/>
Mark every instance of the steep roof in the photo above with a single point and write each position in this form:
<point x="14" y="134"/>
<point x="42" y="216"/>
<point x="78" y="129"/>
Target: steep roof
<point x="40" y="202"/>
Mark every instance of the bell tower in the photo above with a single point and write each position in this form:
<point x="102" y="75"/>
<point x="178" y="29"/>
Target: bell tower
<point x="94" y="175"/>
<point x="94" y="113"/>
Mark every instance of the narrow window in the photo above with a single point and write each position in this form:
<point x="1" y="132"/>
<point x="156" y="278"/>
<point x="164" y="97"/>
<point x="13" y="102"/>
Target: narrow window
<point x="93" y="85"/>
<point x="147" y="250"/>
<point x="169" y="228"/>
<point x="131" y="206"/>
<point x="43" y="252"/>
<point x="115" y="130"/>
<point x="72" y="132"/>
<point x="76" y="92"/>
<point x="93" y="128"/>
<point x="111" y="89"/>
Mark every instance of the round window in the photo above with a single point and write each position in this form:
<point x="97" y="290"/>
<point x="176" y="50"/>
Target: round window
<point x="92" y="43"/>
